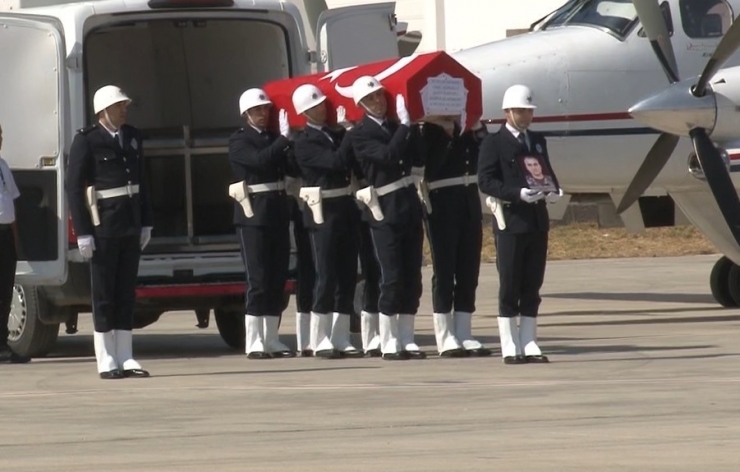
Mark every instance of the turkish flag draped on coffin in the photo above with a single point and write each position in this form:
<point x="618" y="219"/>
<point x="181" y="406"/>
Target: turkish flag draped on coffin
<point x="433" y="84"/>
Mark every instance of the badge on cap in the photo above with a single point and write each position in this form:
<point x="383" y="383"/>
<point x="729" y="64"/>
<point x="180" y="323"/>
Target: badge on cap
<point x="262" y="96"/>
<point x="370" y="84"/>
<point x="314" y="96"/>
<point x="539" y="148"/>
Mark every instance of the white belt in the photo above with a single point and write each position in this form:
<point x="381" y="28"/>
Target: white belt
<point x="267" y="187"/>
<point x="126" y="190"/>
<point x="462" y="180"/>
<point x="393" y="186"/>
<point x="337" y="192"/>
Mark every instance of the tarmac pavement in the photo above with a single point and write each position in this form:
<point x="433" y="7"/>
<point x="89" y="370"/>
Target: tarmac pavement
<point x="644" y="376"/>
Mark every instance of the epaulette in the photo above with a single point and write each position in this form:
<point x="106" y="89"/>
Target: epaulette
<point x="87" y="129"/>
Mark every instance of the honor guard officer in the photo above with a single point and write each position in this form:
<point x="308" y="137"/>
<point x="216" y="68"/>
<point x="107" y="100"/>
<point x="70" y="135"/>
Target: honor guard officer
<point x="330" y="213"/>
<point x="521" y="247"/>
<point x="259" y="162"/>
<point x="305" y="280"/>
<point x="112" y="217"/>
<point x="386" y="154"/>
<point x="9" y="244"/>
<point x="454" y="230"/>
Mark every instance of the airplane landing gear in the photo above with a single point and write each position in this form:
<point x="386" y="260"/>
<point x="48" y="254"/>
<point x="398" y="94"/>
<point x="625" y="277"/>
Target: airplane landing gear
<point x="724" y="281"/>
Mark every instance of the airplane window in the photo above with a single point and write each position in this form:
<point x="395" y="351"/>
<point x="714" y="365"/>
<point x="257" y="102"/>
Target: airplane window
<point x="705" y="18"/>
<point x="618" y="16"/>
<point x="665" y="7"/>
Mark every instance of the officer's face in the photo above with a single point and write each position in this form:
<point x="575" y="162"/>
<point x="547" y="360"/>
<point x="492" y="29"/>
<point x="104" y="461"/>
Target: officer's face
<point x="317" y="114"/>
<point x="259" y="116"/>
<point x="117" y="114"/>
<point x="520" y="118"/>
<point x="376" y="103"/>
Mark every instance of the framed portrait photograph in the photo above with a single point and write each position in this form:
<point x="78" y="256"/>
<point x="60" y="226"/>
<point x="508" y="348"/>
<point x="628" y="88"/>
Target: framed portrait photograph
<point x="538" y="174"/>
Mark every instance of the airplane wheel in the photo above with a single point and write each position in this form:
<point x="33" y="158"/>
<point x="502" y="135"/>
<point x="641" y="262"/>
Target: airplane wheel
<point x="719" y="283"/>
<point x="733" y="284"/>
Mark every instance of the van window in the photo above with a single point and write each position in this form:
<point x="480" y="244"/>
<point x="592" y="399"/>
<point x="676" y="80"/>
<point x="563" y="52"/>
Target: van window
<point x="705" y="18"/>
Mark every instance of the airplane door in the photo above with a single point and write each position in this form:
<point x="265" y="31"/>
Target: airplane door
<point x="32" y="94"/>
<point x="356" y="35"/>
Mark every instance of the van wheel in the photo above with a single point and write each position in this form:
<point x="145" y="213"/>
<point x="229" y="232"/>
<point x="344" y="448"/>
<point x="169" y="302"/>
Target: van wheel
<point x="28" y="336"/>
<point x="230" y="324"/>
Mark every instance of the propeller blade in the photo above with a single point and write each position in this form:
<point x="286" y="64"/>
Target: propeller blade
<point x="649" y="170"/>
<point x="653" y="22"/>
<point x="718" y="179"/>
<point x="726" y="48"/>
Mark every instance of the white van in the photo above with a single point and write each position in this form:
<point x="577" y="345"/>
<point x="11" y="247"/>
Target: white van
<point x="184" y="63"/>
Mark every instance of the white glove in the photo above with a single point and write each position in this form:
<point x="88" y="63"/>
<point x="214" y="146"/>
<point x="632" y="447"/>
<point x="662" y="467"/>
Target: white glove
<point x="342" y="117"/>
<point x="146" y="235"/>
<point x="86" y="244"/>
<point x="530" y="196"/>
<point x="401" y="111"/>
<point x="553" y="197"/>
<point x="284" y="125"/>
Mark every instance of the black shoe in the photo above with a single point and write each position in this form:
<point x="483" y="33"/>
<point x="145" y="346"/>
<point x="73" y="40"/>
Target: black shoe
<point x="480" y="352"/>
<point x="354" y="354"/>
<point x="396" y="356"/>
<point x="537" y="359"/>
<point x="373" y="353"/>
<point x="140" y="373"/>
<point x="515" y="360"/>
<point x="459" y="352"/>
<point x="258" y="355"/>
<point x="282" y="354"/>
<point x="307" y="353"/>
<point x="416" y="355"/>
<point x="328" y="354"/>
<point x="111" y="374"/>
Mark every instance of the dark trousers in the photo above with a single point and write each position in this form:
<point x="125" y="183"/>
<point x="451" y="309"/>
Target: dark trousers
<point x="335" y="256"/>
<point x="399" y="253"/>
<point x="520" y="260"/>
<point x="306" y="277"/>
<point x="266" y="255"/>
<point x="370" y="268"/>
<point x="455" y="239"/>
<point x="114" y="268"/>
<point x="8" y="260"/>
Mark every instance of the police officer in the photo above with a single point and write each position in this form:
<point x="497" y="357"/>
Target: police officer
<point x="521" y="247"/>
<point x="330" y="213"/>
<point x="305" y="280"/>
<point x="454" y="230"/>
<point x="369" y="316"/>
<point x="386" y="154"/>
<point x="259" y="161"/>
<point x="9" y="244"/>
<point x="112" y="217"/>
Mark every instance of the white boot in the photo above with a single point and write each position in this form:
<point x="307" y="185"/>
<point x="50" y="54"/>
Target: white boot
<point x="511" y="351"/>
<point x="125" y="356"/>
<point x="255" y="337"/>
<point x="447" y="343"/>
<point x="321" y="336"/>
<point x="528" y="339"/>
<point x="273" y="346"/>
<point x="463" y="321"/>
<point x="406" y="336"/>
<point x="340" y="336"/>
<point x="370" y="331"/>
<point x="105" y="351"/>
<point x="302" y="333"/>
<point x="389" y="343"/>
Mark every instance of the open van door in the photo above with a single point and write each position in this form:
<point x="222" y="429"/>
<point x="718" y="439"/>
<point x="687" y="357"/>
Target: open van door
<point x="356" y="35"/>
<point x="33" y="117"/>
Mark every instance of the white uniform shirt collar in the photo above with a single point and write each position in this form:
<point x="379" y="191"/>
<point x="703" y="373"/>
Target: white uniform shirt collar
<point x="516" y="134"/>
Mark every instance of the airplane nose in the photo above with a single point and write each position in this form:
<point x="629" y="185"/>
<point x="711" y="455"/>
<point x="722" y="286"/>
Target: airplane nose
<point x="676" y="110"/>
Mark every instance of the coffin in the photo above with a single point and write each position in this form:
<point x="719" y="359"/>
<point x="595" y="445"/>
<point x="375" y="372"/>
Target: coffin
<point x="433" y="84"/>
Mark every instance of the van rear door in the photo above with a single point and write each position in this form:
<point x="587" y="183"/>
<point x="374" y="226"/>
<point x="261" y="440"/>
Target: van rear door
<point x="356" y="35"/>
<point x="33" y="117"/>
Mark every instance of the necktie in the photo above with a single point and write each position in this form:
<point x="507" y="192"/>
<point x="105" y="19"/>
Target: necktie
<point x="386" y="127"/>
<point x="327" y="132"/>
<point x="523" y="139"/>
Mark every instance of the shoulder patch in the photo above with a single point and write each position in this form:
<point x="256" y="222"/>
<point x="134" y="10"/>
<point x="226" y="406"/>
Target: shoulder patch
<point x="87" y="129"/>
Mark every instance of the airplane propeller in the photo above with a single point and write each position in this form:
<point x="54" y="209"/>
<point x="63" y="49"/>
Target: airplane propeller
<point x="709" y="156"/>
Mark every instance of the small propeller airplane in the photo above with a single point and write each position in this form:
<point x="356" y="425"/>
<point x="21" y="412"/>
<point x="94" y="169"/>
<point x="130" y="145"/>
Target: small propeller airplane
<point x="591" y="65"/>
